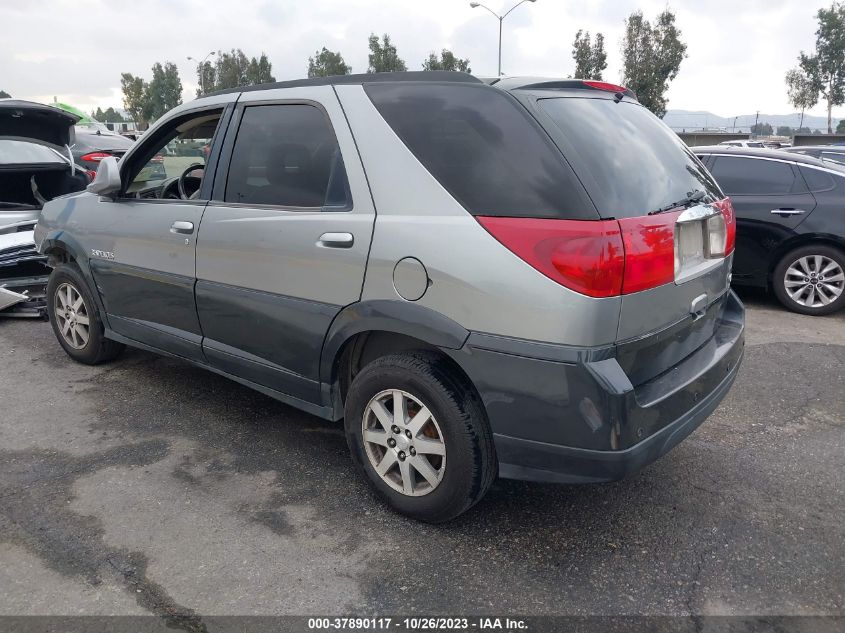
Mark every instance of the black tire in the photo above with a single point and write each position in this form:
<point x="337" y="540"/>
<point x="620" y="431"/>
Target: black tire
<point x="97" y="349"/>
<point x="470" y="465"/>
<point x="780" y="272"/>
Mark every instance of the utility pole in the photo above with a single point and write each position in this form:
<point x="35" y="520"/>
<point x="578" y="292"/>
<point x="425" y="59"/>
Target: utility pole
<point x="756" y="124"/>
<point x="500" y="18"/>
<point x="201" y="69"/>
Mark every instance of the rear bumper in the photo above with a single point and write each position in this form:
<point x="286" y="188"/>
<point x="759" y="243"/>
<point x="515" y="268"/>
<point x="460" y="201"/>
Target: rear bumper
<point x="583" y="421"/>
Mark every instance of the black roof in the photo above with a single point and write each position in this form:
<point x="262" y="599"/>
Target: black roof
<point x="731" y="150"/>
<point x="362" y="78"/>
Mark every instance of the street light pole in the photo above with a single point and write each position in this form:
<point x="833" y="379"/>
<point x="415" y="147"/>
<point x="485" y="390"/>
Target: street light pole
<point x="200" y="67"/>
<point x="501" y="19"/>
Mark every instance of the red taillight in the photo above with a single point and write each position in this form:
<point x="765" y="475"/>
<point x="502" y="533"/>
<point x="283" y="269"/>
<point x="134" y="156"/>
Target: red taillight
<point x="91" y="174"/>
<point x="649" y="251"/>
<point x="158" y="158"/>
<point x="726" y="208"/>
<point x="95" y="157"/>
<point x="603" y="85"/>
<point x="585" y="256"/>
<point x="604" y="258"/>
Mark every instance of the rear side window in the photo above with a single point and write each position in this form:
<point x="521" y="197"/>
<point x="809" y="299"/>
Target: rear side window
<point x="633" y="163"/>
<point x="484" y="148"/>
<point x="287" y="155"/>
<point x="834" y="157"/>
<point x="754" y="176"/>
<point x="816" y="179"/>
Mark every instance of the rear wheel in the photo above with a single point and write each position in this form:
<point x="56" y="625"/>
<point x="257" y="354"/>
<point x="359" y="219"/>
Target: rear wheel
<point x="75" y="319"/>
<point x="420" y="436"/>
<point x="811" y="280"/>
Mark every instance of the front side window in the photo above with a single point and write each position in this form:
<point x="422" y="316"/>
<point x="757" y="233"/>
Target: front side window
<point x="752" y="176"/>
<point x="180" y="153"/>
<point x="287" y="155"/>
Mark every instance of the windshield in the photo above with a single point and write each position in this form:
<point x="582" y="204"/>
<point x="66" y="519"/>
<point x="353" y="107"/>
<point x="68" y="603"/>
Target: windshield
<point x="629" y="161"/>
<point x="23" y="153"/>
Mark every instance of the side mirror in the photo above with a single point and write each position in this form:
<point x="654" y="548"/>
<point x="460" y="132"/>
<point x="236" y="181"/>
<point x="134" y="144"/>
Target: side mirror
<point x="107" y="180"/>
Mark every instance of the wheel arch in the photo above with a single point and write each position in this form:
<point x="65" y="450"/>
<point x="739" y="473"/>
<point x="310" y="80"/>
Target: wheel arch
<point x="367" y="330"/>
<point x="800" y="241"/>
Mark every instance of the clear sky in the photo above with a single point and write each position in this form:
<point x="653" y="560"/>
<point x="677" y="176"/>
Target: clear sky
<point x="739" y="50"/>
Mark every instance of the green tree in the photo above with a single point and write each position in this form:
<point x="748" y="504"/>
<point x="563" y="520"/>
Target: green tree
<point x="233" y="70"/>
<point x="5" y="95"/>
<point x="110" y="115"/>
<point x="762" y="129"/>
<point x="163" y="92"/>
<point x="446" y="61"/>
<point x="134" y="96"/>
<point x="840" y="128"/>
<point x="326" y="63"/>
<point x="802" y="91"/>
<point x="590" y="57"/>
<point x="652" y="57"/>
<point x="383" y="57"/>
<point x="826" y="66"/>
<point x="784" y="130"/>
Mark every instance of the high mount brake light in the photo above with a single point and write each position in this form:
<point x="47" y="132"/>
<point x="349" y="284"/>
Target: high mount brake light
<point x="608" y="258"/>
<point x="603" y="85"/>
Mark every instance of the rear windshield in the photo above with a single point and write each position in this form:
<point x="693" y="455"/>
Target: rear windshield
<point x="22" y="153"/>
<point x="484" y="148"/>
<point x="630" y="162"/>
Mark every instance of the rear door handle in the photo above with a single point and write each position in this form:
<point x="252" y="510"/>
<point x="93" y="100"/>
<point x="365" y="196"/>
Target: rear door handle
<point x="336" y="240"/>
<point x="182" y="227"/>
<point x="788" y="211"/>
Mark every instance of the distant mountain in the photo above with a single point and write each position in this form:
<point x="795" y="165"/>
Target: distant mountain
<point x="695" y="120"/>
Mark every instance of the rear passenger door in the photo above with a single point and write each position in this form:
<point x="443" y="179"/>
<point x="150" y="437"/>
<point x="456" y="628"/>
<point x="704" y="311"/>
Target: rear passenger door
<point x="770" y="198"/>
<point x="283" y="243"/>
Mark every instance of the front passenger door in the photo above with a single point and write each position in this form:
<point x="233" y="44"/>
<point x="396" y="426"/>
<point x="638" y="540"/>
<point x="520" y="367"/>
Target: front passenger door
<point x="142" y="244"/>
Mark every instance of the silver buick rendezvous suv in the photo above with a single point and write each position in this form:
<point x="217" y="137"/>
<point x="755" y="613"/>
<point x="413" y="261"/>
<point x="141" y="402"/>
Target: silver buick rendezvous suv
<point x="524" y="277"/>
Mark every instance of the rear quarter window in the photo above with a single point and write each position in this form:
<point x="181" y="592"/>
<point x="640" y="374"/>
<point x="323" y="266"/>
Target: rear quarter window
<point x="484" y="148"/>
<point x="816" y="179"/>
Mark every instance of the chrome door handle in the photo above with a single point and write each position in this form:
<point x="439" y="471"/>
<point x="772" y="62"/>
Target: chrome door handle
<point x="336" y="240"/>
<point x="788" y="211"/>
<point x="182" y="227"/>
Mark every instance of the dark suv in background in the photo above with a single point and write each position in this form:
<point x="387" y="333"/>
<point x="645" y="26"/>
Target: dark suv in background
<point x="790" y="214"/>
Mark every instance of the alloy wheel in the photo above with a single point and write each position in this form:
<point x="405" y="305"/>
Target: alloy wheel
<point x="814" y="281"/>
<point x="72" y="316"/>
<point x="404" y="443"/>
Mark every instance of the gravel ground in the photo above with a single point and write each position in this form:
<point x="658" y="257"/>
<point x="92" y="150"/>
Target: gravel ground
<point x="148" y="486"/>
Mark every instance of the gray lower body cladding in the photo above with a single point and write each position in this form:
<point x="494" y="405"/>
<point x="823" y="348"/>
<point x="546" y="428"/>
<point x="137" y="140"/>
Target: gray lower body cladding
<point x="573" y="416"/>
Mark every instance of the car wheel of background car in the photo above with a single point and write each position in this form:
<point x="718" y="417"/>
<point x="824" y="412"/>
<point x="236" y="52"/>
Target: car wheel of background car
<point x="75" y="319"/>
<point x="811" y="280"/>
<point x="420" y="436"/>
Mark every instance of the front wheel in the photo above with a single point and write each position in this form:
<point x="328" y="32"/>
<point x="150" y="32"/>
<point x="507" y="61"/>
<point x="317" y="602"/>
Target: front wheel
<point x="811" y="280"/>
<point x="419" y="435"/>
<point x="75" y="319"/>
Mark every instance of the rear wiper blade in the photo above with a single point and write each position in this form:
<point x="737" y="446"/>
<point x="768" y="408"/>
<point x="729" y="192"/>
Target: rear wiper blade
<point x="693" y="196"/>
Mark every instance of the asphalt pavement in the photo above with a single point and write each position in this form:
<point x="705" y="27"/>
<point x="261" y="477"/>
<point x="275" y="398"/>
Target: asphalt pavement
<point x="149" y="486"/>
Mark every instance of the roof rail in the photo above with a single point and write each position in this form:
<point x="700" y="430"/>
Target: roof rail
<point x="362" y="78"/>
